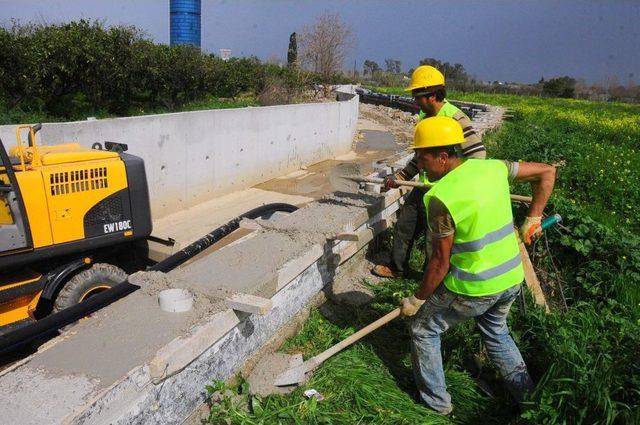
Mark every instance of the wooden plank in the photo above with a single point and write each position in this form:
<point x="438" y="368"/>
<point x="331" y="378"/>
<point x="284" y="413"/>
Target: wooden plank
<point x="531" y="278"/>
<point x="292" y="268"/>
<point x="183" y="350"/>
<point x="249" y="303"/>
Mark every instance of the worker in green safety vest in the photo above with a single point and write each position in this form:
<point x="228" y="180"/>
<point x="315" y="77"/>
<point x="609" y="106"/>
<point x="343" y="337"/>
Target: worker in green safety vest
<point x="427" y="87"/>
<point x="475" y="270"/>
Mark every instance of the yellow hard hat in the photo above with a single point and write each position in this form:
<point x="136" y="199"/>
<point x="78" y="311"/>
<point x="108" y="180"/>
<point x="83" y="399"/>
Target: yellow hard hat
<point x="425" y="76"/>
<point x="437" y="131"/>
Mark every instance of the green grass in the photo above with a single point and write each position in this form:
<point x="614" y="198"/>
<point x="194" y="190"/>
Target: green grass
<point x="586" y="361"/>
<point x="587" y="358"/>
<point x="370" y="382"/>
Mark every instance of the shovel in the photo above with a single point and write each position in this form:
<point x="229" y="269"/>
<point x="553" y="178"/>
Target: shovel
<point x="297" y="375"/>
<point x="411" y="183"/>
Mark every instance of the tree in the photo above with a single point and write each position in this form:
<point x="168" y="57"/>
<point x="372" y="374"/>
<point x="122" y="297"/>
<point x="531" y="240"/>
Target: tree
<point x="455" y="74"/>
<point x="370" y="67"/>
<point x="392" y="65"/>
<point x="325" y="44"/>
<point x="560" y="87"/>
<point x="292" y="53"/>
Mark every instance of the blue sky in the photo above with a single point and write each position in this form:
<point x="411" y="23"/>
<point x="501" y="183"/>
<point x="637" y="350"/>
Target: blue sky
<point x="495" y="40"/>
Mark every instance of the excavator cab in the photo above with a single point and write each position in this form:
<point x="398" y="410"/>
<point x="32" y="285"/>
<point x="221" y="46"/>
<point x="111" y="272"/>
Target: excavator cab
<point x="13" y="231"/>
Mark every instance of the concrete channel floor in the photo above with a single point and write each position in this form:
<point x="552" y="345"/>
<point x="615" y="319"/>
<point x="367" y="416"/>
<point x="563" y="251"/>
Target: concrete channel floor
<point x="100" y="350"/>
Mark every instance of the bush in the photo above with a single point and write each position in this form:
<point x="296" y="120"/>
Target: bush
<point x="560" y="87"/>
<point x="72" y="70"/>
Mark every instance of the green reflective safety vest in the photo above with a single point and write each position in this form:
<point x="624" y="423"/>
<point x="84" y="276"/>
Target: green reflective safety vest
<point x="485" y="257"/>
<point x="447" y="110"/>
<point x="422" y="177"/>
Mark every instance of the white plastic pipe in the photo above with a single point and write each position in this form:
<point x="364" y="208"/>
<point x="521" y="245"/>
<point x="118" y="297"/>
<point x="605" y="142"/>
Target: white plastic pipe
<point x="175" y="300"/>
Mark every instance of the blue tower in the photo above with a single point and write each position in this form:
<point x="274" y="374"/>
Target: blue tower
<point x="184" y="22"/>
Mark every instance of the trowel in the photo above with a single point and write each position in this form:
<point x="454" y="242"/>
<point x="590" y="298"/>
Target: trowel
<point x="297" y="375"/>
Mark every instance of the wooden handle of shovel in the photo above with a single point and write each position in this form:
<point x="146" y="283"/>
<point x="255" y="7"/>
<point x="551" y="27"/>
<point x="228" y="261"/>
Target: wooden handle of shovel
<point x="317" y="360"/>
<point x="411" y="183"/>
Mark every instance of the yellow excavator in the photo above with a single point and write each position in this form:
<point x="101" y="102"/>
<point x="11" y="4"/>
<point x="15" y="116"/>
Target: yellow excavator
<point x="73" y="223"/>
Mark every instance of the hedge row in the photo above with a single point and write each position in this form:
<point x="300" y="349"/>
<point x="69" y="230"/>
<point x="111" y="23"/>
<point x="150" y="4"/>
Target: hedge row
<point x="79" y="68"/>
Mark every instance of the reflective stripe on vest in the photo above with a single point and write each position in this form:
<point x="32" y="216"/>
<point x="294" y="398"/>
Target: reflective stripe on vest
<point x="485" y="257"/>
<point x="489" y="273"/>
<point x="490" y="237"/>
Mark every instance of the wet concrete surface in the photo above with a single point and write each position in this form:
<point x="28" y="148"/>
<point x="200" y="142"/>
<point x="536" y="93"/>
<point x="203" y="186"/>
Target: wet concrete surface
<point x="114" y="340"/>
<point x="377" y="140"/>
<point x="319" y="179"/>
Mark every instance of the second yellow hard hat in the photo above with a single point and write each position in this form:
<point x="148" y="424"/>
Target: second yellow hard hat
<point x="425" y="76"/>
<point x="437" y="131"/>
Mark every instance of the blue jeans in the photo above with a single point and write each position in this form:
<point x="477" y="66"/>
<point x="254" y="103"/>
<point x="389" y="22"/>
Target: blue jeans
<point x="445" y="309"/>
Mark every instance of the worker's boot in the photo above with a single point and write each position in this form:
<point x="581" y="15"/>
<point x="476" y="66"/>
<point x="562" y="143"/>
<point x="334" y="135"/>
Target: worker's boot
<point x="381" y="270"/>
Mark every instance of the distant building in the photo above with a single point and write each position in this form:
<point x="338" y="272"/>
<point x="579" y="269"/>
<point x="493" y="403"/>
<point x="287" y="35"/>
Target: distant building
<point x="225" y="54"/>
<point x="184" y="22"/>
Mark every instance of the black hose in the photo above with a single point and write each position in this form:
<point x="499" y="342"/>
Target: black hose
<point x="45" y="326"/>
<point x="209" y="239"/>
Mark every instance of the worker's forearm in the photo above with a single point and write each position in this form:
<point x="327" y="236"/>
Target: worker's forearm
<point x="436" y="271"/>
<point x="410" y="170"/>
<point x="541" y="190"/>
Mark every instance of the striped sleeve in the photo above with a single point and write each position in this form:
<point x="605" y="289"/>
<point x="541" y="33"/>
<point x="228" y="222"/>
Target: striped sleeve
<point x="411" y="169"/>
<point x="512" y="167"/>
<point x="472" y="146"/>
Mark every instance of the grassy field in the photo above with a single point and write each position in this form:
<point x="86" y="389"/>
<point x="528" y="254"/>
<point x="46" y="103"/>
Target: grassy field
<point x="585" y="358"/>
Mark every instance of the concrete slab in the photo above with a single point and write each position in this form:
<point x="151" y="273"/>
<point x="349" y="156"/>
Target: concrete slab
<point x="151" y="358"/>
<point x="188" y="225"/>
<point x="181" y="351"/>
<point x="34" y="397"/>
<point x="249" y="267"/>
<point x="335" y="213"/>
<point x="115" y="340"/>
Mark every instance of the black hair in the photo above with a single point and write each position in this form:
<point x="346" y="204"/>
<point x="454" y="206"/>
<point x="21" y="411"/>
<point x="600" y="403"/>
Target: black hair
<point x="440" y="92"/>
<point x="451" y="150"/>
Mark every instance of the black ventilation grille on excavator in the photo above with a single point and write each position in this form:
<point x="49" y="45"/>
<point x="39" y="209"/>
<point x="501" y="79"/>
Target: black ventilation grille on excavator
<point x="66" y="182"/>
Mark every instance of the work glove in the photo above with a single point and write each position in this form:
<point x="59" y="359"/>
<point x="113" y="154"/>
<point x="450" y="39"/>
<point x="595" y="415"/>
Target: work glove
<point x="530" y="229"/>
<point x="389" y="182"/>
<point x="410" y="305"/>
